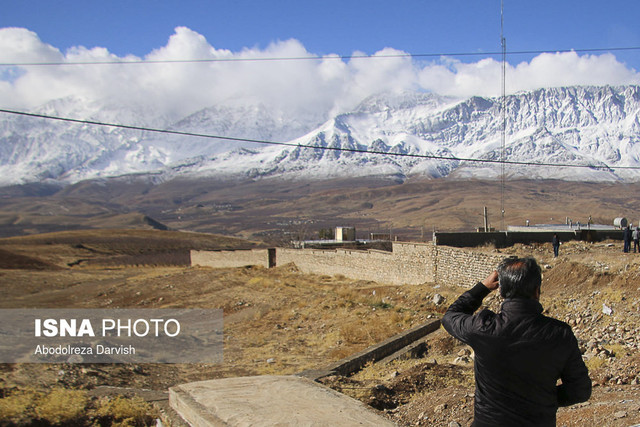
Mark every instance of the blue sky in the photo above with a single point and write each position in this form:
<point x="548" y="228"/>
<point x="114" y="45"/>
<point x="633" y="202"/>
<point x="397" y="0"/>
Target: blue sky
<point x="335" y="26"/>
<point x="70" y="31"/>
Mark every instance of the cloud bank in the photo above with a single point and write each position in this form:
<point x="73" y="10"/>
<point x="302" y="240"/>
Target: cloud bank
<point x="316" y="88"/>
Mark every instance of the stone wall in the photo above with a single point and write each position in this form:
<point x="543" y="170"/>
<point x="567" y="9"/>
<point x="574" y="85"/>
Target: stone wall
<point x="227" y="259"/>
<point x="407" y="264"/>
<point x="463" y="267"/>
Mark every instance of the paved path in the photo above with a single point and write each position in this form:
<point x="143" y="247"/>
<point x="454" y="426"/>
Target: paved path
<point x="269" y="401"/>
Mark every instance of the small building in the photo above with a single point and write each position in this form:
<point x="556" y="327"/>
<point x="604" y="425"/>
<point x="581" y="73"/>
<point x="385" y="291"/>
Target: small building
<point x="345" y="238"/>
<point x="380" y="236"/>
<point x="345" y="234"/>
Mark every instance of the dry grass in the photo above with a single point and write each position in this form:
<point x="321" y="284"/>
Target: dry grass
<point x="123" y="411"/>
<point x="59" y="406"/>
<point x="16" y="405"/>
<point x="277" y="321"/>
<point x="595" y="363"/>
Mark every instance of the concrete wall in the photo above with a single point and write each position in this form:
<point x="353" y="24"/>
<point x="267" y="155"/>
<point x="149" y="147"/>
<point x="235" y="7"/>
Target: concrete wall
<point x="227" y="259"/>
<point x="465" y="240"/>
<point x="509" y="238"/>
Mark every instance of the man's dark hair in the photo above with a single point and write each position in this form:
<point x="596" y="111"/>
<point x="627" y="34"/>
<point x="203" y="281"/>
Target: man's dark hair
<point x="519" y="277"/>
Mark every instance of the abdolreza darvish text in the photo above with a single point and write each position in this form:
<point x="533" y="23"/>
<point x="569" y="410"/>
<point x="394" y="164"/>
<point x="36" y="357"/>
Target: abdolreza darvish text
<point x="65" y="350"/>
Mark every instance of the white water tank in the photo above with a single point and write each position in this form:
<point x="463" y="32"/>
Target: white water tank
<point x="620" y="222"/>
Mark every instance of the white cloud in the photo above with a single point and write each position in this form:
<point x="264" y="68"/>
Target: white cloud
<point x="455" y="78"/>
<point x="299" y="88"/>
<point x="564" y="69"/>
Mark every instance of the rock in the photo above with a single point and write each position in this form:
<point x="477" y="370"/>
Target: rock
<point x="75" y="358"/>
<point x="440" y="408"/>
<point x="606" y="310"/>
<point x="271" y="360"/>
<point x="438" y="299"/>
<point x="464" y="352"/>
<point x="619" y="414"/>
<point x="454" y="424"/>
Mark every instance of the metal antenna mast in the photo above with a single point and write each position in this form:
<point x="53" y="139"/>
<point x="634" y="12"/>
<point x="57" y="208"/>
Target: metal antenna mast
<point x="503" y="112"/>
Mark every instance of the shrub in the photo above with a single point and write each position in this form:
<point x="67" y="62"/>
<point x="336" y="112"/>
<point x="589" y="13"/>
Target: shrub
<point x="125" y="411"/>
<point x="17" y="406"/>
<point x="61" y="406"/>
<point x="594" y="363"/>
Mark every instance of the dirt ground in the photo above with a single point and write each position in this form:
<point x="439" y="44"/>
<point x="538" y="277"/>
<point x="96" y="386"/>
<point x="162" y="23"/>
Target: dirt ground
<point x="279" y="321"/>
<point x="593" y="287"/>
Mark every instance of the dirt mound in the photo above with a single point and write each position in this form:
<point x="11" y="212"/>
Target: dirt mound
<point x="11" y="261"/>
<point x="565" y="276"/>
<point x="426" y="376"/>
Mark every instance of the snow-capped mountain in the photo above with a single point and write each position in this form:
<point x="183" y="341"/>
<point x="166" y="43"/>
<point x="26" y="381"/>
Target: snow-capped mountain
<point x="425" y="134"/>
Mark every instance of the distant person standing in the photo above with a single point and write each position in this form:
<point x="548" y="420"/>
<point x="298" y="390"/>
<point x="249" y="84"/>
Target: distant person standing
<point x="636" y="239"/>
<point x="626" y="237"/>
<point x="556" y="245"/>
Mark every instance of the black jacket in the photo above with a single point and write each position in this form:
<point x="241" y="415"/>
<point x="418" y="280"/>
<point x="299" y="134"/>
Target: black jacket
<point x="519" y="356"/>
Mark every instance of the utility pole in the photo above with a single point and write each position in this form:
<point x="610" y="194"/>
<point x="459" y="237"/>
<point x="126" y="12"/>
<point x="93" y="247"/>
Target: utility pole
<point x="503" y="111"/>
<point x="486" y="219"/>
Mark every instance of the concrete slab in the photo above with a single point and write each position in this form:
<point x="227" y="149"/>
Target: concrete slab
<point x="269" y="401"/>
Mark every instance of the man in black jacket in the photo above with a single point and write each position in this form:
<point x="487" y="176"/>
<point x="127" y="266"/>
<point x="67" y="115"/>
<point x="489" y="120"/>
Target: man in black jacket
<point x="519" y="353"/>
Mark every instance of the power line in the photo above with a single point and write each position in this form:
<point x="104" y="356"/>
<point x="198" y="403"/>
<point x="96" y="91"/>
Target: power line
<point x="315" y="58"/>
<point x="315" y="147"/>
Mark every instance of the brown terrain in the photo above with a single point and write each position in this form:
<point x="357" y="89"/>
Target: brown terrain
<point x="276" y="211"/>
<point x="280" y="321"/>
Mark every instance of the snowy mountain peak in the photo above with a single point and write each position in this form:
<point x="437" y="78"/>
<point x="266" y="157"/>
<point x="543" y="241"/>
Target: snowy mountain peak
<point x="401" y="101"/>
<point x="424" y="134"/>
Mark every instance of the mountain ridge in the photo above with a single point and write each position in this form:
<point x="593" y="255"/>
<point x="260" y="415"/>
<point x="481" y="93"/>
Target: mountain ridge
<point x="595" y="127"/>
